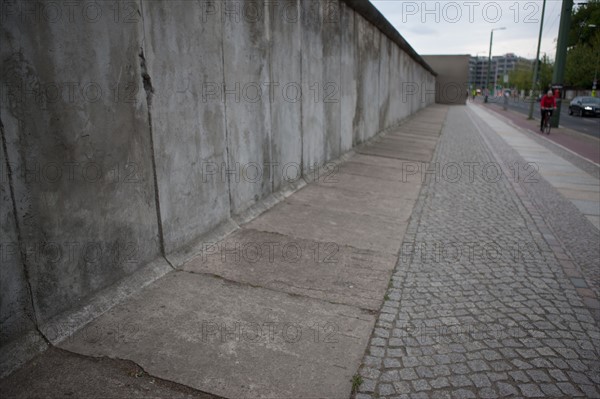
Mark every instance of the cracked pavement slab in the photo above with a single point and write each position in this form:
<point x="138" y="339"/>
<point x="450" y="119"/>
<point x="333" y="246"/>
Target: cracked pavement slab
<point x="60" y="373"/>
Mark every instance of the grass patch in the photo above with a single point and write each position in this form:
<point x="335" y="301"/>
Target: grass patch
<point x="356" y="381"/>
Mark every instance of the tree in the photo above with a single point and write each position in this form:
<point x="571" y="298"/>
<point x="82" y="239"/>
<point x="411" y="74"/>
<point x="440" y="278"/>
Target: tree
<point x="584" y="46"/>
<point x="584" y="15"/>
<point x="521" y="77"/>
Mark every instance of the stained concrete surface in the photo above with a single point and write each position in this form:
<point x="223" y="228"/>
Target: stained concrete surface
<point x="77" y="141"/>
<point x="322" y="270"/>
<point x="281" y="321"/>
<point x="367" y="232"/>
<point x="234" y="340"/>
<point x="59" y="373"/>
<point x="193" y="196"/>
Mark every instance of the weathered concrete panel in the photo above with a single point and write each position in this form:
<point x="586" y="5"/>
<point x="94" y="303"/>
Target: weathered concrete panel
<point x="331" y="38"/>
<point x="16" y="313"/>
<point x="347" y="77"/>
<point x="76" y="131"/>
<point x="188" y="117"/>
<point x="313" y="113"/>
<point x="368" y="232"/>
<point x="246" y="66"/>
<point x="384" y="83"/>
<point x="286" y="101"/>
<point x="321" y="270"/>
<point x="367" y="72"/>
<point x="395" y="86"/>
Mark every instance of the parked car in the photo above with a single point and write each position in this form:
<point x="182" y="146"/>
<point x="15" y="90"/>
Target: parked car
<point x="585" y="105"/>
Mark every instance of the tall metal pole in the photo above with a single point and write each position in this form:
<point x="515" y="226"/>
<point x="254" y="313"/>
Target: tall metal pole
<point x="535" y="63"/>
<point x="489" y="66"/>
<point x="558" y="74"/>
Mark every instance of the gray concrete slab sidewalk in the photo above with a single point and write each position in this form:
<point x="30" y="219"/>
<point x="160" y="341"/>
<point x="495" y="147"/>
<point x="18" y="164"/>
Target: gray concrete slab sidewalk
<point x="284" y="306"/>
<point x="232" y="339"/>
<point x="315" y="269"/>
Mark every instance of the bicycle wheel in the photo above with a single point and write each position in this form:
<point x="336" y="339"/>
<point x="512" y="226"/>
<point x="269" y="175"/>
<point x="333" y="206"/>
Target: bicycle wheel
<point x="547" y="126"/>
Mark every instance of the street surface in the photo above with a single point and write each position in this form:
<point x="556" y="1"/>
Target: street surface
<point x="588" y="124"/>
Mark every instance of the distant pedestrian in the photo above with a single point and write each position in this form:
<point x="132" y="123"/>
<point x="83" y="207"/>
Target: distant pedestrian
<point x="547" y="105"/>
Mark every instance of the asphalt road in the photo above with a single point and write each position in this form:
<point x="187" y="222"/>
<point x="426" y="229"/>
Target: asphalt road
<point x="588" y="125"/>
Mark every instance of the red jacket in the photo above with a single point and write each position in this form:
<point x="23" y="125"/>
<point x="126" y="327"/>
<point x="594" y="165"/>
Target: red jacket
<point x="548" y="102"/>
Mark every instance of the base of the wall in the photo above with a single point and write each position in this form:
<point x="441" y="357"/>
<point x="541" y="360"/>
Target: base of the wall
<point x="19" y="351"/>
<point x="60" y="328"/>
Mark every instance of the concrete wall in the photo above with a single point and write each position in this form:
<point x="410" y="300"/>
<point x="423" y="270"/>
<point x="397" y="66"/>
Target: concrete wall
<point x="452" y="79"/>
<point x="128" y="134"/>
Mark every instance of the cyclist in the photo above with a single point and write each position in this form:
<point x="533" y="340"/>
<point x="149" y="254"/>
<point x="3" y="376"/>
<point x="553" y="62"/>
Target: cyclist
<point x="547" y="105"/>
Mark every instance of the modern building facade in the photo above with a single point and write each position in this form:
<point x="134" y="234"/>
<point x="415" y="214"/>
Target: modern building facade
<point x="500" y="68"/>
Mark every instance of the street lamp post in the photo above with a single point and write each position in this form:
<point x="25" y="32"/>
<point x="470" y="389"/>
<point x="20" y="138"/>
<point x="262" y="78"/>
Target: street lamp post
<point x="489" y="66"/>
<point x="535" y="63"/>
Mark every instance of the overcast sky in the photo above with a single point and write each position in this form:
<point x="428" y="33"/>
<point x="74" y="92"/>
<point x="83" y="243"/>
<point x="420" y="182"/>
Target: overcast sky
<point x="463" y="27"/>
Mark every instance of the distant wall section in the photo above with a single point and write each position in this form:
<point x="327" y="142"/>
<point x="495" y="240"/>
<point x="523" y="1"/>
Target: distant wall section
<point x="452" y="84"/>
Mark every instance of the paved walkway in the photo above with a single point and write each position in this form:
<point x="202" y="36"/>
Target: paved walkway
<point x="481" y="305"/>
<point x="423" y="266"/>
<point x="581" y="188"/>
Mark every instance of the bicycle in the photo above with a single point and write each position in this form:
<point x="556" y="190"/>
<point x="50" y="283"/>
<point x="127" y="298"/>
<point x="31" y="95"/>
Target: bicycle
<point x="546" y="125"/>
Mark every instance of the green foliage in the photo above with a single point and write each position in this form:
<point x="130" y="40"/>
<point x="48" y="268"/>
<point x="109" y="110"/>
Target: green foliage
<point x="584" y="15"/>
<point x="356" y="381"/>
<point x="584" y="46"/>
<point x="582" y="63"/>
<point x="521" y="77"/>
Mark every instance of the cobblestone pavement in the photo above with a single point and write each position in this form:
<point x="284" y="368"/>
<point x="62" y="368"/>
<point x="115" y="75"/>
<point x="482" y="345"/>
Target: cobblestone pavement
<point x="478" y="305"/>
<point x="569" y="227"/>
